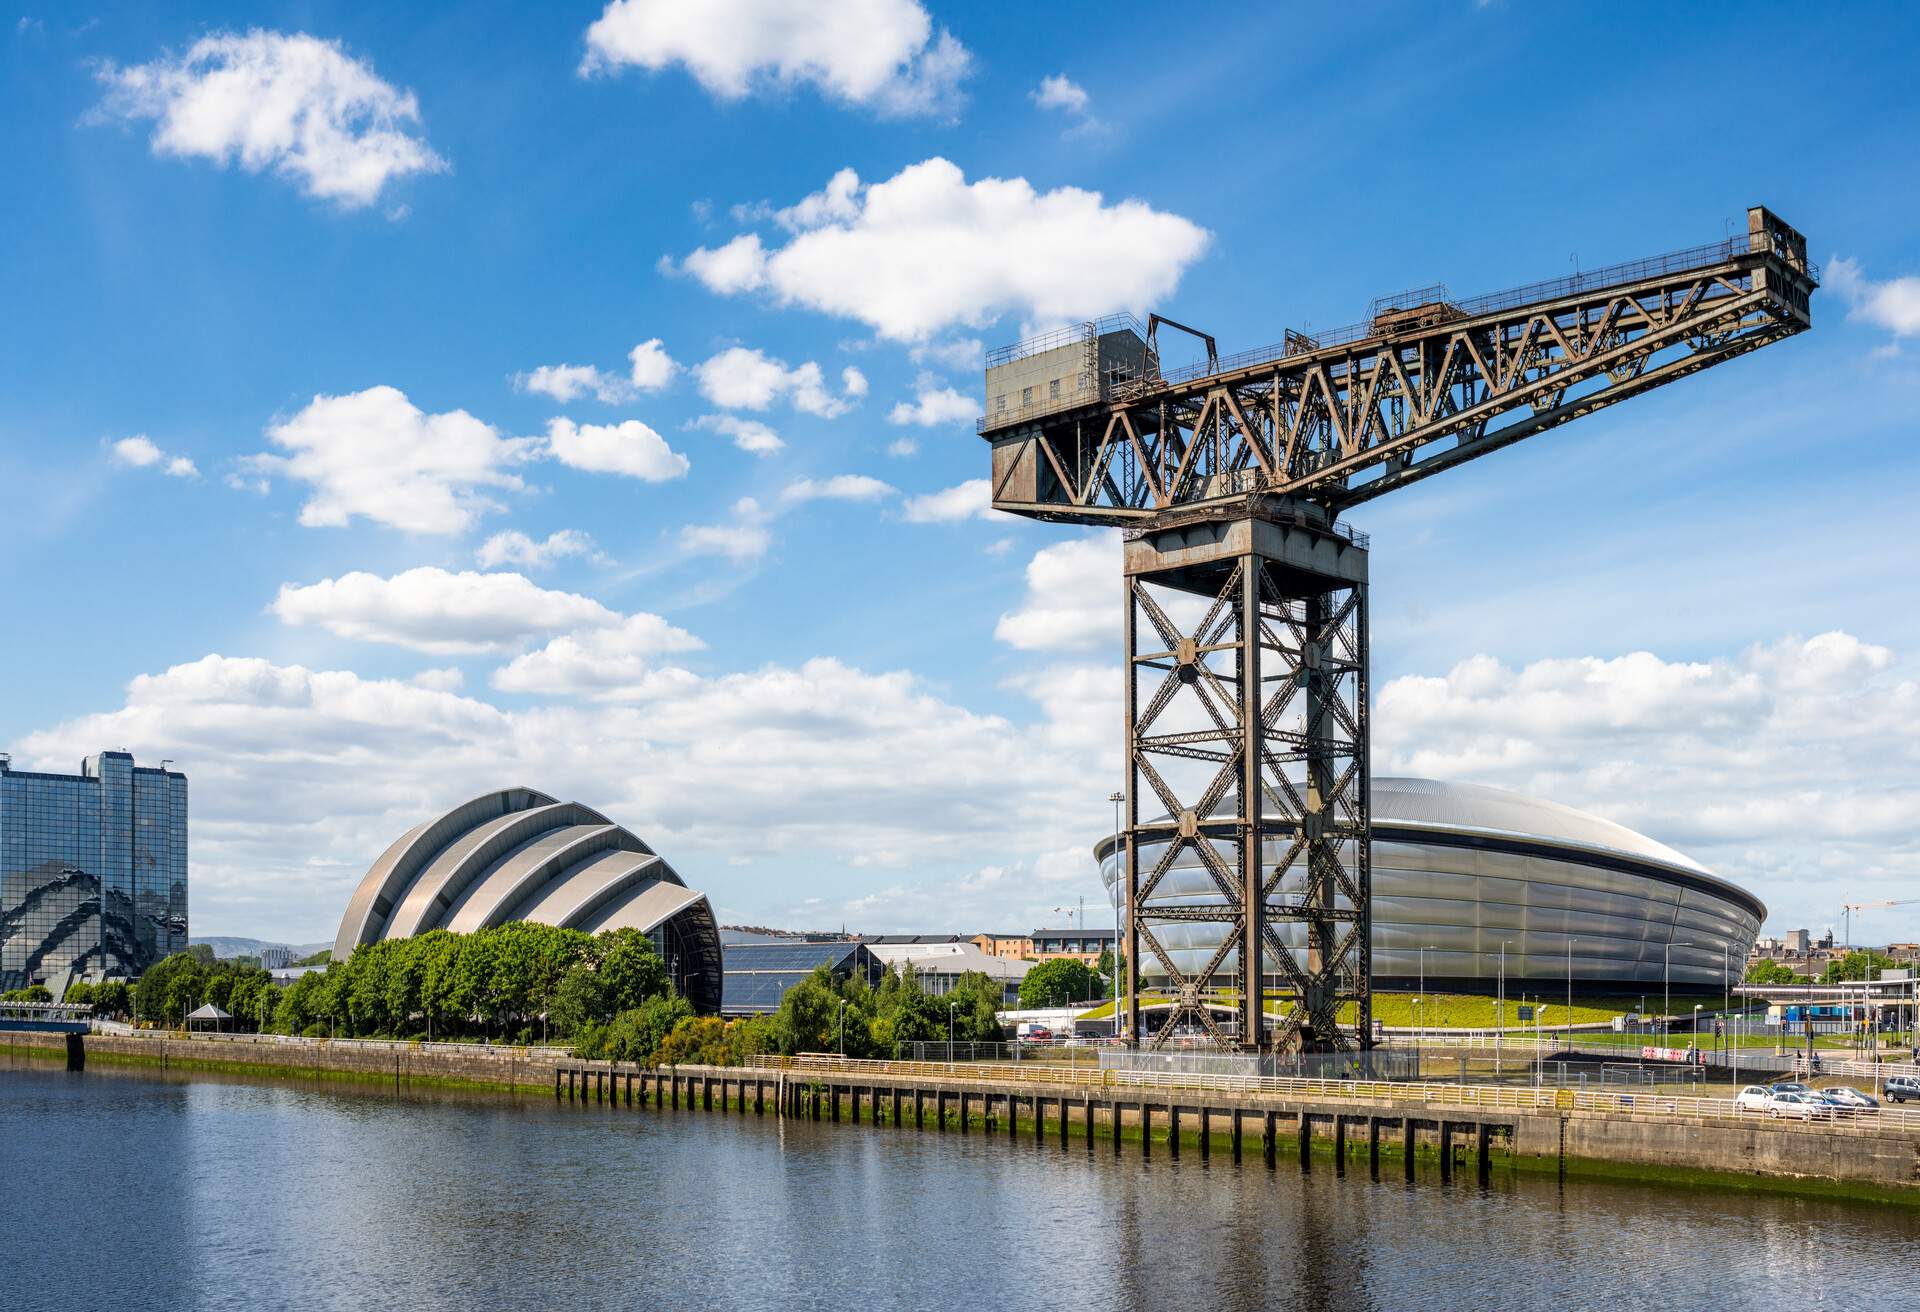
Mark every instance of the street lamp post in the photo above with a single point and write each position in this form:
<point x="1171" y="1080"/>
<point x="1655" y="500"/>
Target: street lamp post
<point x="1500" y="1008"/>
<point x="950" y="1007"/>
<point x="1118" y="871"/>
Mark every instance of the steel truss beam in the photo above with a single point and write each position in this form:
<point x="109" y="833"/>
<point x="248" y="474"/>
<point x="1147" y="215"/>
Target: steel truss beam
<point x="1248" y="736"/>
<point x="1411" y="392"/>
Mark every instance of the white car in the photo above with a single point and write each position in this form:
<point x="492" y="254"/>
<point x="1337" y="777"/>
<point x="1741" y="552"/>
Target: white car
<point x="1799" y="1106"/>
<point x="1753" y="1098"/>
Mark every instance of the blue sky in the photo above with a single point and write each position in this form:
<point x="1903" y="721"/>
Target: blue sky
<point x="810" y="702"/>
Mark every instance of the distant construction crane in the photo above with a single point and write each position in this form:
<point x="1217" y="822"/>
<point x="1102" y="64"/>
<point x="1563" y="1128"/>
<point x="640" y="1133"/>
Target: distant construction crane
<point x="1246" y="621"/>
<point x="1848" y="908"/>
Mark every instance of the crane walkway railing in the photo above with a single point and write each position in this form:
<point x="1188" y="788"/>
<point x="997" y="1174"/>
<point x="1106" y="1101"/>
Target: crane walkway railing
<point x="1373" y="1092"/>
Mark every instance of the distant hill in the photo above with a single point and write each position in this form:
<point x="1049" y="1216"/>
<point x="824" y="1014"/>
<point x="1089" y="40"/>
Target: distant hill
<point x="226" y="946"/>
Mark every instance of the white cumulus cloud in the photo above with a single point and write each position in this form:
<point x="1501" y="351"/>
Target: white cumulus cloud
<point x="841" y="487"/>
<point x="629" y="447"/>
<point x="933" y="405"/>
<point x="880" y="54"/>
<point x="376" y="455"/>
<point x="612" y="664"/>
<point x="137" y="451"/>
<point x="1893" y="304"/>
<point x="1073" y="598"/>
<point x="432" y="610"/>
<point x="749" y="435"/>
<point x="650" y="367"/>
<point x="742" y="378"/>
<point x="744" y="538"/>
<point x="516" y="548"/>
<point x="927" y="250"/>
<point x="972" y="499"/>
<point x="295" y="104"/>
<point x="570" y="382"/>
<point x="1059" y="92"/>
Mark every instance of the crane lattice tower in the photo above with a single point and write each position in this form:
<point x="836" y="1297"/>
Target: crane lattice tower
<point x="1246" y="619"/>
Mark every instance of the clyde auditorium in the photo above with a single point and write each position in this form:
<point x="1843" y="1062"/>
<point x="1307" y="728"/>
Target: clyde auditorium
<point x="1459" y="868"/>
<point x="518" y="854"/>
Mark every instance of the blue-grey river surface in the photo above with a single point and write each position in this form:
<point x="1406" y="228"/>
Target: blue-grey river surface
<point x="124" y="1190"/>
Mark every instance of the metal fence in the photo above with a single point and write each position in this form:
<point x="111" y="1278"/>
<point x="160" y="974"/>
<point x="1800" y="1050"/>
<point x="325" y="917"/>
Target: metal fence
<point x="552" y="1052"/>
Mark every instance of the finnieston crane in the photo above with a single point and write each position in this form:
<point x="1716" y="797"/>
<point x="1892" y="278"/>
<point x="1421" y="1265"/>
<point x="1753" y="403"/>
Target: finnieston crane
<point x="1246" y="621"/>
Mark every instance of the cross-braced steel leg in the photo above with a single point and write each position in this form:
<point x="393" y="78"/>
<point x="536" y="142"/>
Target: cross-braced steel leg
<point x="1246" y="706"/>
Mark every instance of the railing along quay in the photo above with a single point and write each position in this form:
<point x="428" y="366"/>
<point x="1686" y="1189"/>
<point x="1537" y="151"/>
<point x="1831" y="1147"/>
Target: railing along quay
<point x="1372" y="1092"/>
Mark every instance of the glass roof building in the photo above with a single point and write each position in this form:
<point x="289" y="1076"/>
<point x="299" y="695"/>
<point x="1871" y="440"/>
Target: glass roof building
<point x="1461" y="871"/>
<point x="518" y="854"/>
<point x="758" y="975"/>
<point x="93" y="871"/>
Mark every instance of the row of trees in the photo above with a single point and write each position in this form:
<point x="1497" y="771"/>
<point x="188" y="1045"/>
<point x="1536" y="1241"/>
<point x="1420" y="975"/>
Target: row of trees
<point x="609" y="994"/>
<point x="519" y="981"/>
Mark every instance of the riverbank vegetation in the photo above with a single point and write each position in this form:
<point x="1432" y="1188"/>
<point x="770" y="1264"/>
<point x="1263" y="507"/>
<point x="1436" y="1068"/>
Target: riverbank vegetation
<point x="608" y="996"/>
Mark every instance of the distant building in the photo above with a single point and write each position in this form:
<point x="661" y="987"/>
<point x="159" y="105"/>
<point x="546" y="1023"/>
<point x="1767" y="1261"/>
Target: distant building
<point x="274" y="958"/>
<point x="1081" y="944"/>
<point x="756" y="976"/>
<point x="939" y="962"/>
<point x="93" y="871"/>
<point x="1798" y="942"/>
<point x="1013" y="947"/>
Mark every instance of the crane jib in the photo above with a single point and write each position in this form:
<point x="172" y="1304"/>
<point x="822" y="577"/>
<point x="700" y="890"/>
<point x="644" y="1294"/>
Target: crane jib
<point x="1092" y="430"/>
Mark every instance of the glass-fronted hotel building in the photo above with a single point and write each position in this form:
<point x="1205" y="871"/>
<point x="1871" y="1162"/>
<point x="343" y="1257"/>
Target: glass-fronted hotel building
<point x="93" y="871"/>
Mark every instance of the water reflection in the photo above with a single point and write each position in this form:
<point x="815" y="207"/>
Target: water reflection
<point x="133" y="1190"/>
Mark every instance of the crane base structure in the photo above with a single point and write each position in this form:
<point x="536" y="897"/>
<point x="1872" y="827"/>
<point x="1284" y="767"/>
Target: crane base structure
<point x="1246" y="615"/>
<point x="1246" y="694"/>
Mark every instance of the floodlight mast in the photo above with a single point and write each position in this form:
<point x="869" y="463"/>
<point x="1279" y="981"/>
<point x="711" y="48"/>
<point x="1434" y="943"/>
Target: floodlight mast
<point x="1229" y="478"/>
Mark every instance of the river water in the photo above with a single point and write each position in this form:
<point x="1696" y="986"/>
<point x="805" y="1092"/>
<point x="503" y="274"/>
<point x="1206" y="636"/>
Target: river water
<point x="135" y="1190"/>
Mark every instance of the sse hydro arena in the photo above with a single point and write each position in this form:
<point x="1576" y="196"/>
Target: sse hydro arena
<point x="1458" y="869"/>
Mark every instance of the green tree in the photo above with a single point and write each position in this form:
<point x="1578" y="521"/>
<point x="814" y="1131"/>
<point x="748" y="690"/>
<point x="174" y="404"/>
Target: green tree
<point x="696" y="1041"/>
<point x="1769" y="972"/>
<point x="630" y="970"/>
<point x="1059" y="982"/>
<point x="437" y="953"/>
<point x="635" y="1035"/>
<point x="113" y="997"/>
<point x="809" y="1014"/>
<point x="79" y="992"/>
<point x="1857" y="964"/>
<point x="976" y="1000"/>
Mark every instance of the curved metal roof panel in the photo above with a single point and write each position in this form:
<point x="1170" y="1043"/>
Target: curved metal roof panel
<point x="488" y="897"/>
<point x="370" y="908"/>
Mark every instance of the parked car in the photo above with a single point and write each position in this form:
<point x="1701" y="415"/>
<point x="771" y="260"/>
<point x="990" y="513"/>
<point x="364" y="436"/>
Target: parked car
<point x="1787" y="1086"/>
<point x="1851" y="1100"/>
<point x="1800" y="1106"/>
<point x="1902" y="1087"/>
<point x="1753" y="1098"/>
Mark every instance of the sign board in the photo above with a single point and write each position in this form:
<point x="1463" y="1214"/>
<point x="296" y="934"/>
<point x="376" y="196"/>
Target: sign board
<point x="1651" y="1053"/>
<point x="1526" y="1013"/>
